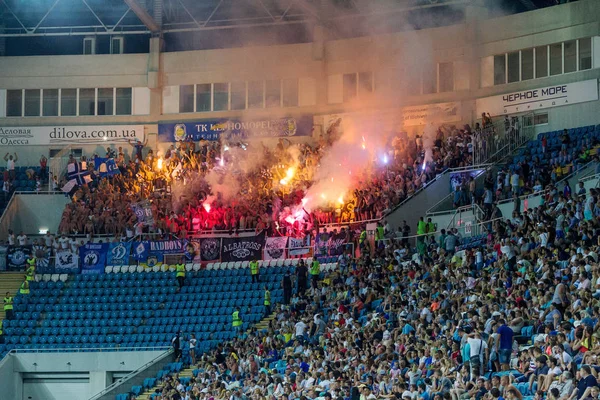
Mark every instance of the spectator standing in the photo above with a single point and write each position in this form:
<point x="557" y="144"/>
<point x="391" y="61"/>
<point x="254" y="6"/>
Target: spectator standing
<point x="10" y="165"/>
<point x="287" y="288"/>
<point x="505" y="339"/>
<point x="315" y="271"/>
<point x="302" y="275"/>
<point x="254" y="271"/>
<point x="8" y="306"/>
<point x="180" y="274"/>
<point x="236" y="320"/>
<point x="176" y="343"/>
<point x="43" y="168"/>
<point x="22" y="239"/>
<point x="192" y="343"/>
<point x="267" y="302"/>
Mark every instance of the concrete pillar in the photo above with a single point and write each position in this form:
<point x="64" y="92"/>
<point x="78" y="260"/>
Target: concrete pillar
<point x="154" y="75"/>
<point x="475" y="16"/>
<point x="319" y="54"/>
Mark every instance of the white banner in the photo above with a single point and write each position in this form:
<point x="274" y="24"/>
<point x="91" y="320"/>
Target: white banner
<point x="438" y="113"/>
<point x="538" y="99"/>
<point x="275" y="248"/>
<point x="63" y="135"/>
<point x="298" y="247"/>
<point x="66" y="262"/>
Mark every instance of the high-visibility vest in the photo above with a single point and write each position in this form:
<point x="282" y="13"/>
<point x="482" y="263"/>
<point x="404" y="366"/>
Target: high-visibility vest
<point x="254" y="267"/>
<point x="180" y="270"/>
<point x="267" y="298"/>
<point x="31" y="262"/>
<point x="379" y="233"/>
<point x="430" y="227"/>
<point x="8" y="303"/>
<point x="315" y="268"/>
<point x="24" y="288"/>
<point x="30" y="273"/>
<point x="236" y="320"/>
<point x="421" y="228"/>
<point x="363" y="236"/>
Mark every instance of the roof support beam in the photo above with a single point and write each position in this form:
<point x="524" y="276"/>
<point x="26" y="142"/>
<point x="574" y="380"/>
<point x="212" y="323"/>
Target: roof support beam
<point x="45" y="15"/>
<point x="143" y="15"/>
<point x="14" y="15"/>
<point x="95" y="15"/>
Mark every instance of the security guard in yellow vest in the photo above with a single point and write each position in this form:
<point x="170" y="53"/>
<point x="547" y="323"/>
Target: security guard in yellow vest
<point x="315" y="271"/>
<point x="254" y="271"/>
<point x="1" y="333"/>
<point x="180" y="275"/>
<point x="8" y="306"/>
<point x="30" y="273"/>
<point x="379" y="232"/>
<point x="24" y="287"/>
<point x="236" y="320"/>
<point x="267" y="302"/>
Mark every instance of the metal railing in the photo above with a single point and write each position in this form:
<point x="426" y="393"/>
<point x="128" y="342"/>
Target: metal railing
<point x="130" y="375"/>
<point x="92" y="349"/>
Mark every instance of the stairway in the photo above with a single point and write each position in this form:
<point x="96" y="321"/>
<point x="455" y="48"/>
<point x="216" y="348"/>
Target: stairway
<point x="188" y="372"/>
<point x="9" y="282"/>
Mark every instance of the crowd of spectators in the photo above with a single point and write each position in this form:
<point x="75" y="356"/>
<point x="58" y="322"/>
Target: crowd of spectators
<point x="514" y="317"/>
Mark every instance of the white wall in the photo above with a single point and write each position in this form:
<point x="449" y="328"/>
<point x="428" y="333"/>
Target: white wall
<point x="29" y="213"/>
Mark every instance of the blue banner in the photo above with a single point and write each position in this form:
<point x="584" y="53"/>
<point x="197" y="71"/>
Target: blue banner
<point x="93" y="258"/>
<point x="106" y="167"/>
<point x="235" y="129"/>
<point x="118" y="253"/>
<point x="141" y="250"/>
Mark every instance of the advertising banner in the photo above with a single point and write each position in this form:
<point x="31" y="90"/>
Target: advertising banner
<point x="242" y="248"/>
<point x="118" y="253"/>
<point x="93" y="258"/>
<point x="235" y="129"/>
<point x="275" y="248"/>
<point x="16" y="257"/>
<point x="55" y="135"/>
<point x="66" y="262"/>
<point x="538" y="99"/>
<point x="440" y="113"/>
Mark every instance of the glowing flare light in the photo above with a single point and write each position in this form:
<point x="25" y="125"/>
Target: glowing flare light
<point x="206" y="207"/>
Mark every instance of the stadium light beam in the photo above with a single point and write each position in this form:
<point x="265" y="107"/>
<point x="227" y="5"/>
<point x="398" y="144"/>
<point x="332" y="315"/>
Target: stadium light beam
<point x="143" y="15"/>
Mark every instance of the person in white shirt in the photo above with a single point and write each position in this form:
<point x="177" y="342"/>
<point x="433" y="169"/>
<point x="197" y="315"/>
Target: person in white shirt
<point x="48" y="239"/>
<point x="22" y="239"/>
<point x="11" y="238"/>
<point x="192" y="343"/>
<point x="300" y="328"/>
<point x="479" y="349"/>
<point x="10" y="164"/>
<point x="64" y="242"/>
<point x="74" y="245"/>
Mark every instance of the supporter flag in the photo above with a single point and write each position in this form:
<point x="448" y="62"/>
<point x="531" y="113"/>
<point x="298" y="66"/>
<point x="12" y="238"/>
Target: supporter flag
<point x="93" y="258"/>
<point x="118" y="253"/>
<point x="275" y="248"/>
<point x="106" y="167"/>
<point x="66" y="262"/>
<point x="143" y="212"/>
<point x="77" y="175"/>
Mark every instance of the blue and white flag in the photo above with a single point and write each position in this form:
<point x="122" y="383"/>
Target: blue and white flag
<point x="77" y="175"/>
<point x="93" y="258"/>
<point x="118" y="253"/>
<point x="66" y="262"/>
<point x="106" y="167"/>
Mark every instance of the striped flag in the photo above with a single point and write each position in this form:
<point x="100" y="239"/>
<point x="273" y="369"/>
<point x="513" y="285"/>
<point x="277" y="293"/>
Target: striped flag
<point x="77" y="175"/>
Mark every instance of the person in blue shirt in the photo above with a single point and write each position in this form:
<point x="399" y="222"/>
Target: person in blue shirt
<point x="504" y="344"/>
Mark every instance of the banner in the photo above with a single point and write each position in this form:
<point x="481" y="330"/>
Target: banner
<point x="66" y="262"/>
<point x="93" y="258"/>
<point x="336" y="244"/>
<point x="321" y="241"/>
<point x="118" y="253"/>
<point x="143" y="212"/>
<point x="191" y="249"/>
<point x="3" y="250"/>
<point x="242" y="248"/>
<point x="298" y="247"/>
<point x="538" y="99"/>
<point x="210" y="249"/>
<point x="58" y="135"/>
<point x="106" y="167"/>
<point x="141" y="250"/>
<point x="42" y="255"/>
<point x="235" y="129"/>
<point x="275" y="248"/>
<point x="16" y="257"/>
<point x="440" y="113"/>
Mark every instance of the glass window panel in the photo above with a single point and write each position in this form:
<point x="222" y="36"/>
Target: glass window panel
<point x="124" y="101"/>
<point x="255" y="94"/>
<point x="500" y="69"/>
<point x="540" y="119"/>
<point x="526" y="64"/>
<point x="365" y="83"/>
<point x="571" y="56"/>
<point x="87" y="101"/>
<point x="221" y="96"/>
<point x="556" y="59"/>
<point x="585" y="54"/>
<point x="290" y="92"/>
<point x="68" y="102"/>
<point x="446" y="71"/>
<point x="32" y="102"/>
<point x="429" y="79"/>
<point x="541" y="62"/>
<point x="50" y="102"/>
<point x="273" y="93"/>
<point x="203" y="97"/>
<point x="14" y="103"/>
<point x="513" y="67"/>
<point x="186" y="98"/>
<point x="105" y="101"/>
<point x="238" y="96"/>
<point x="349" y="88"/>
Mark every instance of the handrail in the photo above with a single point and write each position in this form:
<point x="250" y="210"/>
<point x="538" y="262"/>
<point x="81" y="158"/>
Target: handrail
<point x="484" y="166"/>
<point x="12" y="197"/>
<point x="130" y="375"/>
<point x="88" y="349"/>
<point x="5" y="358"/>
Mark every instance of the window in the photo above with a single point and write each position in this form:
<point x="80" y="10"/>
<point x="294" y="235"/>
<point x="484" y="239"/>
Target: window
<point x="255" y="94"/>
<point x="50" y="103"/>
<point x="14" y="103"/>
<point x="513" y="67"/>
<point x="116" y="45"/>
<point x="556" y="59"/>
<point x="290" y="92"/>
<point x="541" y="62"/>
<point x="203" y="96"/>
<point x="349" y="88"/>
<point x="220" y="96"/>
<point x="186" y="98"/>
<point x="32" y="102"/>
<point x="540" y="119"/>
<point x="365" y="83"/>
<point x="105" y="101"/>
<point x="585" y="54"/>
<point x="68" y="102"/>
<point x="500" y="69"/>
<point x="238" y="96"/>
<point x="87" y="101"/>
<point x="429" y="78"/>
<point x="124" y="101"/>
<point x="571" y="56"/>
<point x="446" y="77"/>
<point x="526" y="64"/>
<point x="273" y="93"/>
<point x="89" y="45"/>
